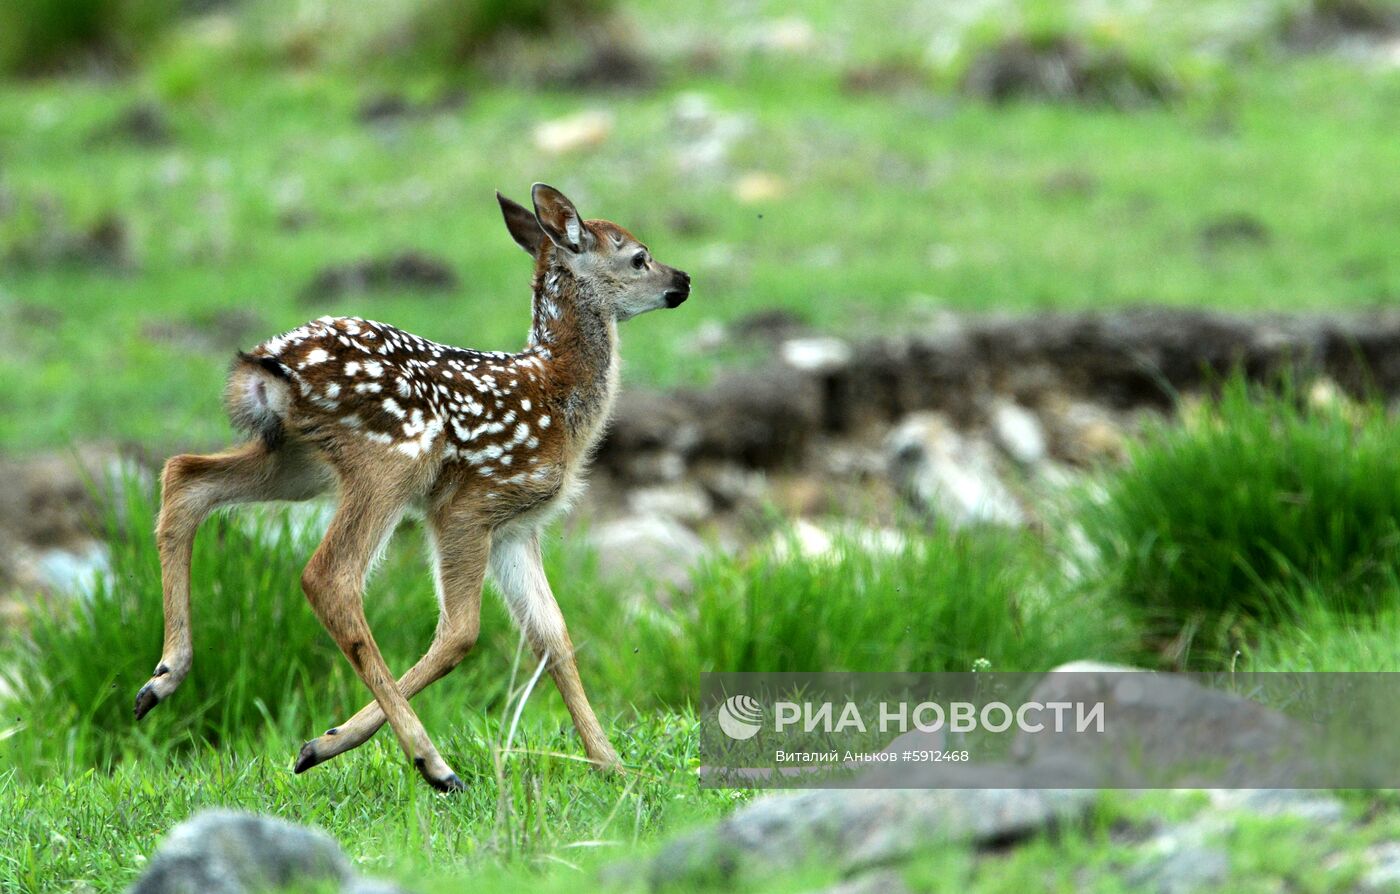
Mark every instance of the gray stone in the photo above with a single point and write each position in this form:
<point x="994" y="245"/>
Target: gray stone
<point x="1182" y="859"/>
<point x="77" y="571"/>
<point x="227" y="852"/>
<point x="683" y="501"/>
<point x="950" y="478"/>
<point x="1304" y="804"/>
<point x="652" y="466"/>
<point x="1018" y="432"/>
<point x="1383" y="873"/>
<point x="816" y="354"/>
<point x="882" y="881"/>
<point x="1167" y="730"/>
<point x="730" y="485"/>
<point x="653" y="547"/>
<point x="855" y="830"/>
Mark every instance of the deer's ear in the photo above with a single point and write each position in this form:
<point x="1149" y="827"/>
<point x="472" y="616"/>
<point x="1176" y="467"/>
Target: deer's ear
<point x="559" y="219"/>
<point x="524" y="229"/>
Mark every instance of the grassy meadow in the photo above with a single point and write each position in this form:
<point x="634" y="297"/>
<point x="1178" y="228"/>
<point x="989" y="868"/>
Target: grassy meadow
<point x="837" y="173"/>
<point x="1265" y="185"/>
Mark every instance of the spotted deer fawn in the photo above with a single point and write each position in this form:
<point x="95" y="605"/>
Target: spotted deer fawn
<point x="489" y="444"/>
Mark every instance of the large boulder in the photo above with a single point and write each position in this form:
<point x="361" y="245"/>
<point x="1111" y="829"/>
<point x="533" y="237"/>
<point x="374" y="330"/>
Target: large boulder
<point x="227" y="852"/>
<point x="857" y="831"/>
<point x="1168" y="729"/>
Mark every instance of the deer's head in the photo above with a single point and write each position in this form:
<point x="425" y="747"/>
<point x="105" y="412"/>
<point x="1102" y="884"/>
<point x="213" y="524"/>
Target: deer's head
<point x="618" y="269"/>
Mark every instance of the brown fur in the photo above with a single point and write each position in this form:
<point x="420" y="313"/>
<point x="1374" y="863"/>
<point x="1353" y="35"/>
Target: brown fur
<point x="489" y="444"/>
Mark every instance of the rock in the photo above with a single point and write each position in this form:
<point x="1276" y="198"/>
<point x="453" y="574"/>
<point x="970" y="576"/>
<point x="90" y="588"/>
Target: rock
<point x="654" y="548"/>
<point x="1383" y="873"/>
<point x="810" y="542"/>
<point x="817" y="355"/>
<point x="647" y="420"/>
<point x="1086" y="434"/>
<point x="413" y="270"/>
<point x="684" y="501"/>
<point x="1304" y="804"/>
<point x="583" y="130"/>
<point x="786" y="35"/>
<point x="227" y="852"/>
<point x="796" y="496"/>
<point x="853" y="830"/>
<point x="1018" y="433"/>
<point x="760" y="418"/>
<point x="729" y="485"/>
<point x="648" y="466"/>
<point x="74" y="572"/>
<point x="1337" y="24"/>
<point x="881" y="881"/>
<point x="757" y="187"/>
<point x="1163" y="729"/>
<point x="1183" y="859"/>
<point x="947" y="476"/>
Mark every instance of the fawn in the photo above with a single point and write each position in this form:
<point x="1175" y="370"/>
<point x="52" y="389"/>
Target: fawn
<point x="489" y="444"/>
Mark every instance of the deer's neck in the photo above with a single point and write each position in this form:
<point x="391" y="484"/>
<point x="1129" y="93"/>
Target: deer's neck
<point x="577" y="341"/>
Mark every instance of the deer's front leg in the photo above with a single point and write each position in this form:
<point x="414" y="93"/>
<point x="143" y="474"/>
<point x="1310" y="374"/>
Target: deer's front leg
<point x="460" y="547"/>
<point x="334" y="583"/>
<point x="518" y="570"/>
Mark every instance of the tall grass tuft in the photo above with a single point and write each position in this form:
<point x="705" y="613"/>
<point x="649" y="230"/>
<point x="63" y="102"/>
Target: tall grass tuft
<point x="949" y="601"/>
<point x="1262" y="495"/>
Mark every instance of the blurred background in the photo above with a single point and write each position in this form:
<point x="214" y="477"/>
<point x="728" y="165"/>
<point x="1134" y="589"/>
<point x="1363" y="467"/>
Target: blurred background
<point x="179" y="178"/>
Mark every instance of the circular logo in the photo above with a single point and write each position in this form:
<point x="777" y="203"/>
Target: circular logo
<point x="741" y="717"/>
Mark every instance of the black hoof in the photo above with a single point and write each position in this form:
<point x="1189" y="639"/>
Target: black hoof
<point x="307" y="758"/>
<point x="146" y="699"/>
<point x="453" y="783"/>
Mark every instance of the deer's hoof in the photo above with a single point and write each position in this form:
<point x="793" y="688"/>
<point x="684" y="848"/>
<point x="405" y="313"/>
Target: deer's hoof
<point x="307" y="758"/>
<point x="146" y="699"/>
<point x="447" y="784"/>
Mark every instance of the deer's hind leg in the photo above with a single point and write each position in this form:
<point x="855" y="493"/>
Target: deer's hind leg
<point x="461" y="543"/>
<point x="192" y="487"/>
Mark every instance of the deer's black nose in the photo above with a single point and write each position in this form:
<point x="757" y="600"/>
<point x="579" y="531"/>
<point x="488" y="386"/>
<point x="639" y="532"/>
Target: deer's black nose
<point x="679" y="291"/>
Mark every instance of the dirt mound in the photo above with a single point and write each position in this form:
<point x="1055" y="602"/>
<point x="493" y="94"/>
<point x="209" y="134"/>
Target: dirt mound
<point x="1063" y="69"/>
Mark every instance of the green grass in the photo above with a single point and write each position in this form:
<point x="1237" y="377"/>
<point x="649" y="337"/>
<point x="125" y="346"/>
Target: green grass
<point x="1259" y="506"/>
<point x="84" y="790"/>
<point x="266" y="678"/>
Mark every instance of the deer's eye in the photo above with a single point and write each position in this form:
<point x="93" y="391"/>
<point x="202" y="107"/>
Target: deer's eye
<point x="639" y="260"/>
